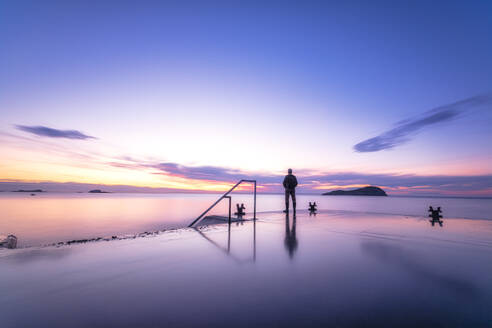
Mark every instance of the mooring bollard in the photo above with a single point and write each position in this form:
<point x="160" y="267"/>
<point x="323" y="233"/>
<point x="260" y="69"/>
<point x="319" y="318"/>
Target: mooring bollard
<point x="240" y="210"/>
<point x="435" y="215"/>
<point x="312" y="208"/>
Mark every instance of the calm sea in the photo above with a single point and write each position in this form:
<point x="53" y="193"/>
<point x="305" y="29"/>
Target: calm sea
<point x="53" y="217"/>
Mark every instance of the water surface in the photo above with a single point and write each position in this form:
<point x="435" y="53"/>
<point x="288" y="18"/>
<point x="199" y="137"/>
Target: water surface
<point x="336" y="269"/>
<point x="53" y="217"/>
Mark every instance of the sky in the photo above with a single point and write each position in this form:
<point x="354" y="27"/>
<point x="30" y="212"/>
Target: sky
<point x="194" y="95"/>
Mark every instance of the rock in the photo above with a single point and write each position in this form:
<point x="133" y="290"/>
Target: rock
<point x="9" y="242"/>
<point x="366" y="191"/>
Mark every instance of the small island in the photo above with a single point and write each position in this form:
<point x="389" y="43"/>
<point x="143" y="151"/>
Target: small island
<point x="366" y="191"/>
<point x="32" y="190"/>
<point x="98" y="191"/>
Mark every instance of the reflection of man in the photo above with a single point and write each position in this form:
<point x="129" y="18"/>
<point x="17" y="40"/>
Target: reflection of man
<point x="290" y="184"/>
<point x="290" y="235"/>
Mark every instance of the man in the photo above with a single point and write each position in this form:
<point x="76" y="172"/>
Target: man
<point x="290" y="184"/>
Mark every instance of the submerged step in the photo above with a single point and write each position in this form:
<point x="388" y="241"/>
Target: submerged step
<point x="218" y="219"/>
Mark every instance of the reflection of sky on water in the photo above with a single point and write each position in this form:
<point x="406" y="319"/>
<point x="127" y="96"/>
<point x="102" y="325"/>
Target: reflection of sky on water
<point x="52" y="217"/>
<point x="410" y="264"/>
<point x="348" y="271"/>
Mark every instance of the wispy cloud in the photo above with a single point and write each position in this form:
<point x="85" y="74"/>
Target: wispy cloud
<point x="198" y="172"/>
<point x="404" y="130"/>
<point x="44" y="131"/>
<point x="173" y="176"/>
<point x="210" y="173"/>
<point x="205" y="173"/>
<point x="394" y="183"/>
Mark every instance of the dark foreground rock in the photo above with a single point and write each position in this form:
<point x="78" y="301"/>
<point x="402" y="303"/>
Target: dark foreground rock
<point x="8" y="242"/>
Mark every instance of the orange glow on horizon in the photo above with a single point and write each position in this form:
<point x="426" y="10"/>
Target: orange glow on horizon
<point x="28" y="160"/>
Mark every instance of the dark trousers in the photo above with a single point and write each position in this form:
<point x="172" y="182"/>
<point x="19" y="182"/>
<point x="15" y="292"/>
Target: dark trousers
<point x="291" y="193"/>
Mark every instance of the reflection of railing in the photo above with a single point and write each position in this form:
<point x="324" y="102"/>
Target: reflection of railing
<point x="227" y="250"/>
<point x="225" y="195"/>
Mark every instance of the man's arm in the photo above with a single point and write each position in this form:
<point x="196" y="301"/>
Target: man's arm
<point x="285" y="182"/>
<point x="295" y="182"/>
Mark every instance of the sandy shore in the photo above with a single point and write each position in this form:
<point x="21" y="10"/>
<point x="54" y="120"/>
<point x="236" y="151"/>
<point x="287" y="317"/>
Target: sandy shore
<point x="333" y="269"/>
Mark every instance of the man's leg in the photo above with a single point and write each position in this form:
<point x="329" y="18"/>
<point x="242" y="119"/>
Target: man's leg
<point x="293" y="193"/>
<point x="286" y="200"/>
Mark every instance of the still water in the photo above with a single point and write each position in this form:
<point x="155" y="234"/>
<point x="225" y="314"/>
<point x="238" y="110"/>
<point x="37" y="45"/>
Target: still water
<point x="53" y="217"/>
<point x="333" y="269"/>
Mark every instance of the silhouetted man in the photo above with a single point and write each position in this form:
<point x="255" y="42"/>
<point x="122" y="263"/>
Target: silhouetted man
<point x="290" y="184"/>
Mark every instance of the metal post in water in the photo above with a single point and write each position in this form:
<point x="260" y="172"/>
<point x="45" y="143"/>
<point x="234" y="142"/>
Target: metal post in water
<point x="229" y="239"/>
<point x="254" y="241"/>
<point x="254" y="215"/>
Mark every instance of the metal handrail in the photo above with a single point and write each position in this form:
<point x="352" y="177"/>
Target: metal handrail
<point x="225" y="195"/>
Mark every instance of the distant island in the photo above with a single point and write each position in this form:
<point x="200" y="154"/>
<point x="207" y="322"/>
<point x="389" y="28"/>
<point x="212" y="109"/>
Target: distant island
<point x="366" y="191"/>
<point x="98" y="191"/>
<point x="32" y="190"/>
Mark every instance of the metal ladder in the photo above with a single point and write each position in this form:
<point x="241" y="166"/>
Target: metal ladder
<point x="225" y="195"/>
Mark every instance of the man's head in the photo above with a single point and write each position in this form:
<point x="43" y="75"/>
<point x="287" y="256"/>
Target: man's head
<point x="289" y="171"/>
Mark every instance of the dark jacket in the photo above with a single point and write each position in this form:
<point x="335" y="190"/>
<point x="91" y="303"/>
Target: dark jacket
<point x="290" y="182"/>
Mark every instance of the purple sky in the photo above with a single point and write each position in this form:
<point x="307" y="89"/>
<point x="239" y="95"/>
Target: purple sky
<point x="193" y="95"/>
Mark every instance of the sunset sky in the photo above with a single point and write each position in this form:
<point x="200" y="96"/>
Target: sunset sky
<point x="194" y="95"/>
